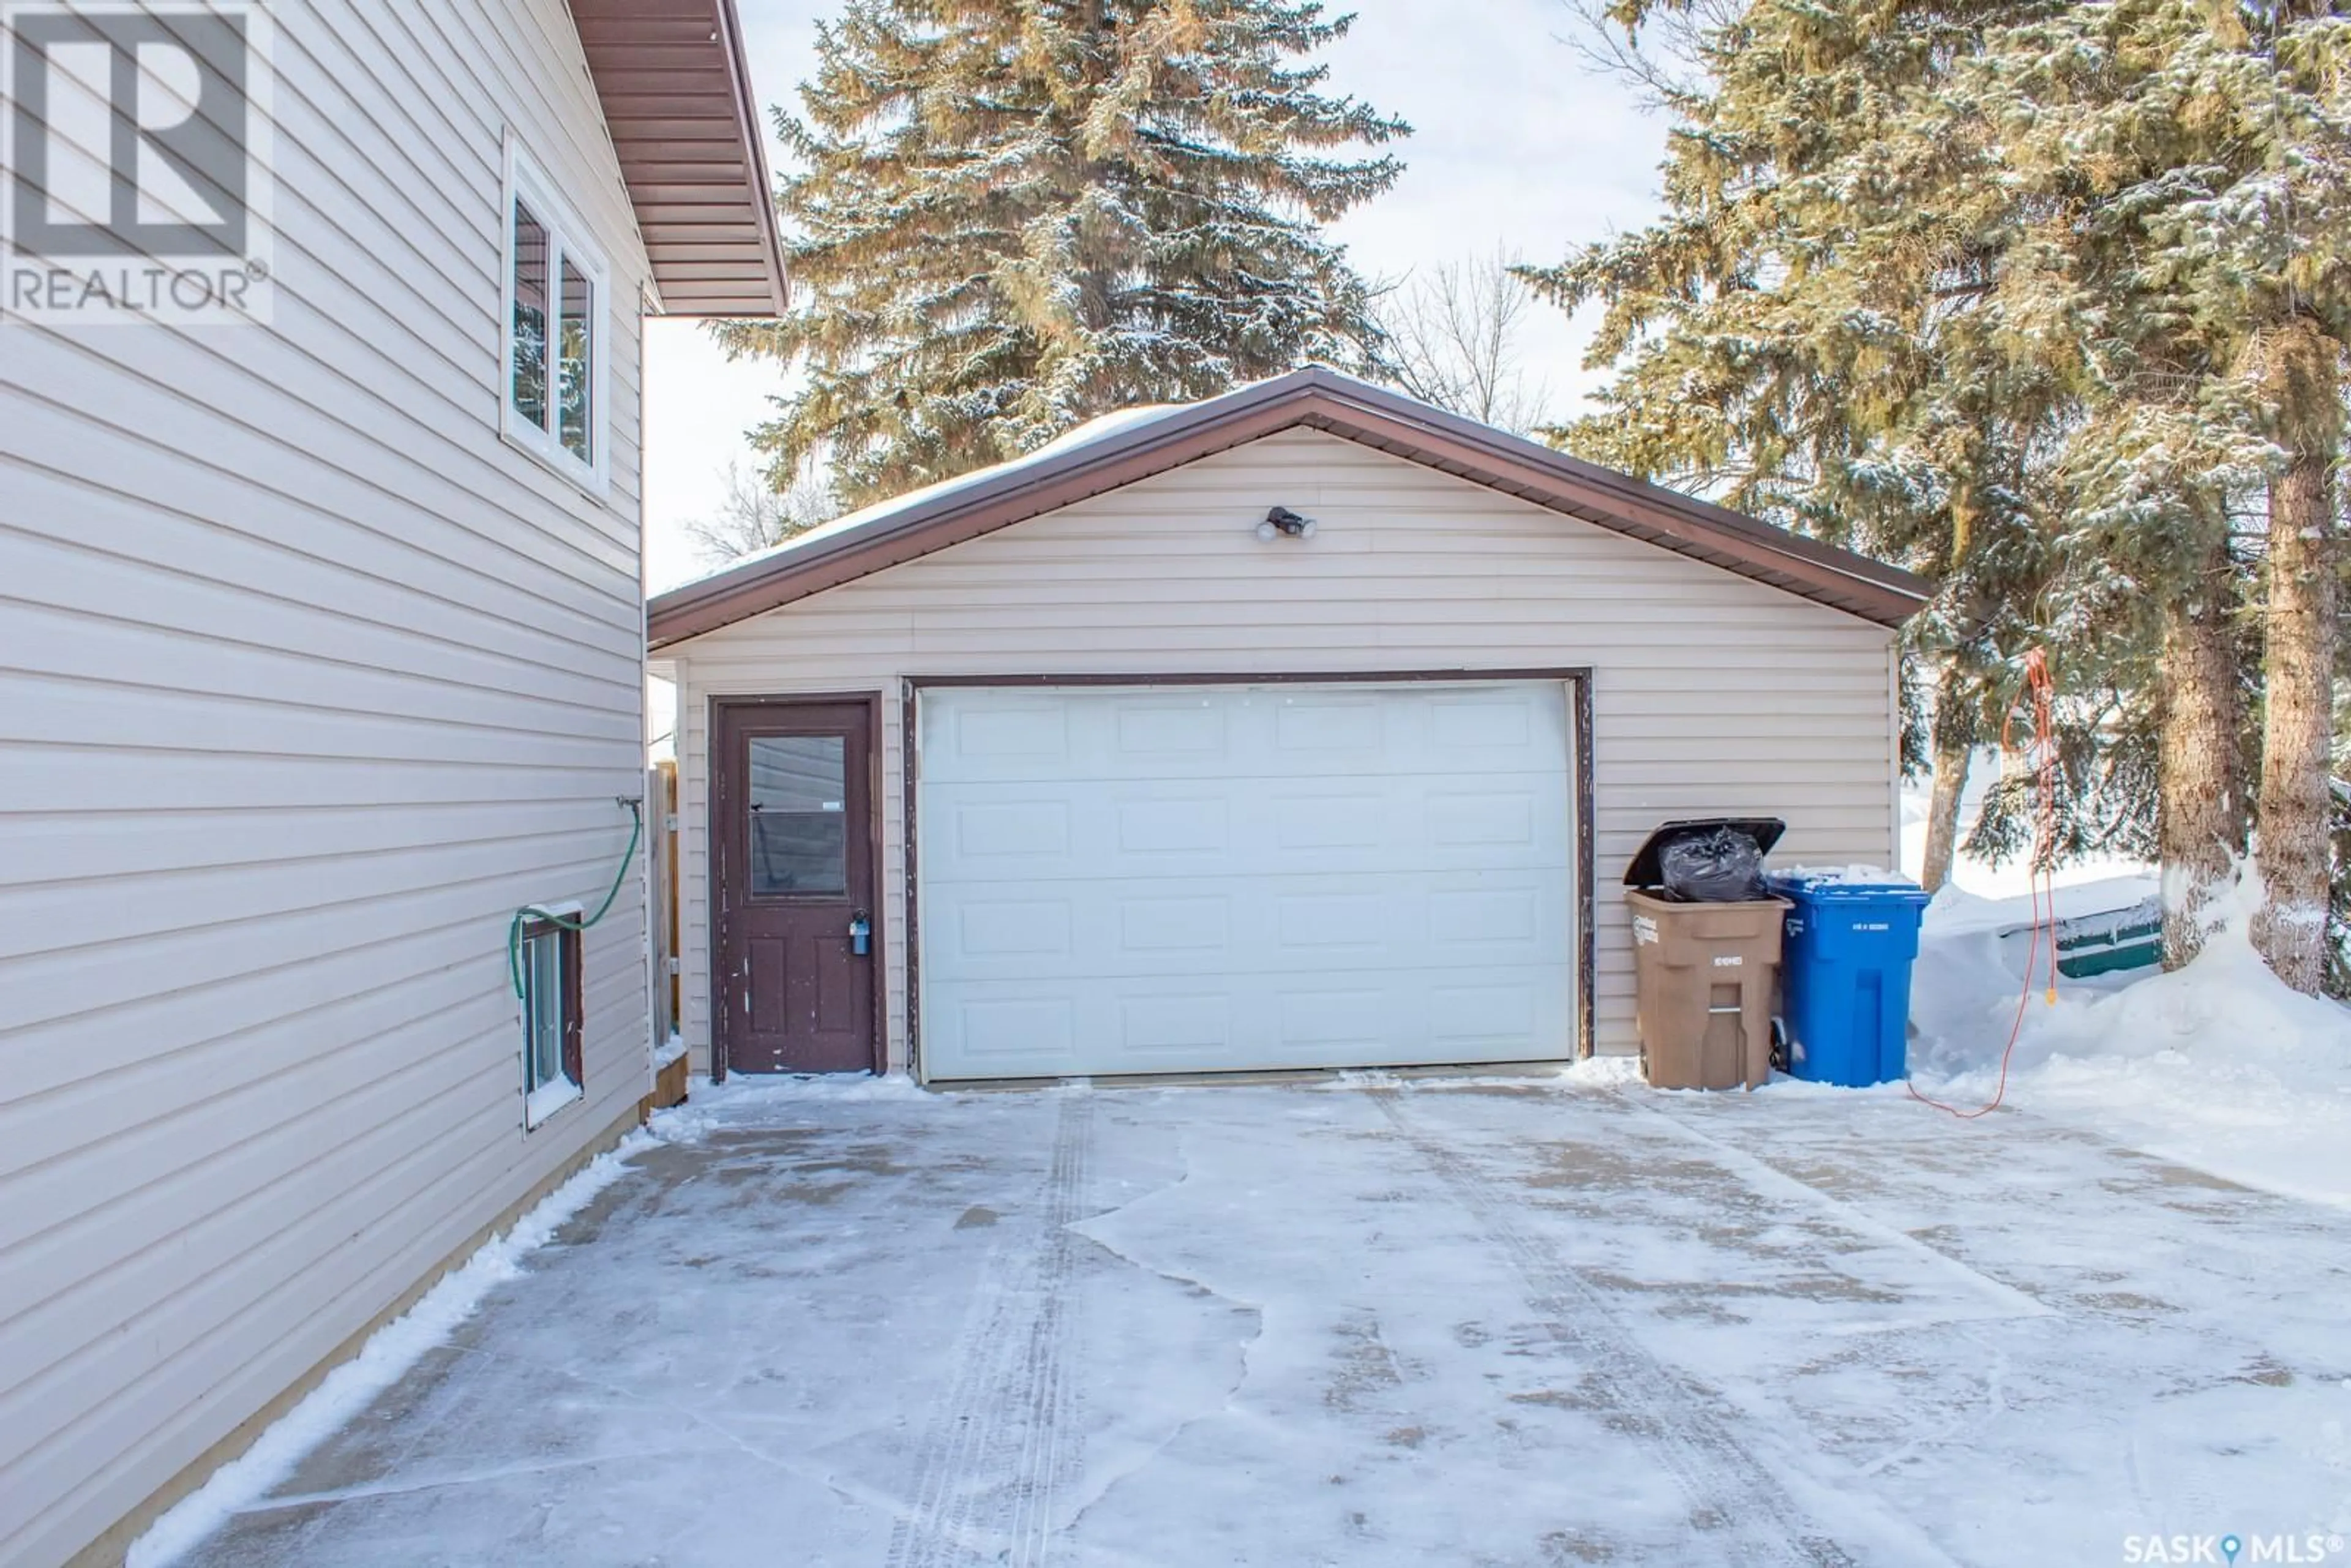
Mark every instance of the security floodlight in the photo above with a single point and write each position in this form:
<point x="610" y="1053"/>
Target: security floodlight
<point x="1282" y="521"/>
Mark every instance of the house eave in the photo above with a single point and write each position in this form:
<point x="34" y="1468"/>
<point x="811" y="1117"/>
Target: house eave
<point x="676" y="89"/>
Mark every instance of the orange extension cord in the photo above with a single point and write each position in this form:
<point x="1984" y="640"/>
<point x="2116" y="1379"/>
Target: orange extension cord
<point x="2041" y="757"/>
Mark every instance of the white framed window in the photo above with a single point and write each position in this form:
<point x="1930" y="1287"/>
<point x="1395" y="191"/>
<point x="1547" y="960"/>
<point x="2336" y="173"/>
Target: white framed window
<point x="555" y="330"/>
<point x="552" y="1074"/>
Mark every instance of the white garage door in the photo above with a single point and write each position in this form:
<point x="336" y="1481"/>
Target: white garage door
<point x="1216" y="878"/>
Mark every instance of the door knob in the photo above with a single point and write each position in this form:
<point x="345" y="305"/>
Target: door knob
<point x="861" y="933"/>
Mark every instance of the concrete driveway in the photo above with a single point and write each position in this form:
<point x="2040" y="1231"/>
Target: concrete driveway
<point x="1364" y="1321"/>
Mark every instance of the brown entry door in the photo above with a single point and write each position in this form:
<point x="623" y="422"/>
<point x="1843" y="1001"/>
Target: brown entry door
<point x="792" y="820"/>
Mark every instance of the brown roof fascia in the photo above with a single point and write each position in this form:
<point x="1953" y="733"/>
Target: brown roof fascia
<point x="1618" y="501"/>
<point x="1340" y="406"/>
<point x="966" y="513"/>
<point x="755" y="152"/>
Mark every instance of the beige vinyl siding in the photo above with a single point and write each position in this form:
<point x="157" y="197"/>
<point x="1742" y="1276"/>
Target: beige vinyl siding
<point x="1712" y="694"/>
<point x="308" y="680"/>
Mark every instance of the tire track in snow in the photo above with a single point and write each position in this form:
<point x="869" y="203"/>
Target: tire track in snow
<point x="2002" y="1301"/>
<point x="1004" y="1437"/>
<point x="1051" y="1448"/>
<point x="1746" y="1506"/>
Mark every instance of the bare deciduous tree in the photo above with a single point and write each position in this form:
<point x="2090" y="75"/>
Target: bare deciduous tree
<point x="755" y="516"/>
<point x="1664" y="57"/>
<point x="1453" y="340"/>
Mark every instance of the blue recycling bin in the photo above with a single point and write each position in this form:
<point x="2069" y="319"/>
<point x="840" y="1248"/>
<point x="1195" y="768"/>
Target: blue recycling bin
<point x="1844" y="974"/>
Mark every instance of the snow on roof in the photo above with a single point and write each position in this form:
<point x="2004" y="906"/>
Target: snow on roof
<point x="880" y="512"/>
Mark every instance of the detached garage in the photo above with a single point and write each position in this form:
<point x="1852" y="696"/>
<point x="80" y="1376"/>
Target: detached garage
<point x="1307" y="726"/>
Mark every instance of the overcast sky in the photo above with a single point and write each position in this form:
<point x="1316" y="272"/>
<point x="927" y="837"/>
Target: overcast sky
<point x="1515" y="144"/>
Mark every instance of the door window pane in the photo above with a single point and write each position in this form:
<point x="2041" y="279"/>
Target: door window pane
<point x="800" y="815"/>
<point x="529" y="370"/>
<point x="576" y="392"/>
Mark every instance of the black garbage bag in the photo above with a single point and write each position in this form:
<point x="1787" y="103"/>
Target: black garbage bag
<point x="1718" y="865"/>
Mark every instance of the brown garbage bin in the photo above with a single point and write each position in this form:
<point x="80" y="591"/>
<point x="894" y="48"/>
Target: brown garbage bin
<point x="1707" y="974"/>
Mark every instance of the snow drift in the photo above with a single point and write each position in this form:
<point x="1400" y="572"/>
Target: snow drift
<point x="2220" y="1064"/>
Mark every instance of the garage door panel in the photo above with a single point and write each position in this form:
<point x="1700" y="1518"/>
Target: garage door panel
<point x="1031" y="834"/>
<point x="1485" y="721"/>
<point x="989" y="930"/>
<point x="1216" y="878"/>
<point x="1494" y="917"/>
<point x="1303" y="823"/>
<point x="1478" y="1017"/>
<point x="1376" y="1019"/>
<point x="1176" y="922"/>
<point x="1169" y="730"/>
<point x="1013" y="1029"/>
<point x="1416" y="823"/>
<point x="1128" y="823"/>
<point x="1011" y="1034"/>
<point x="1138" y="927"/>
<point x="1322" y="731"/>
<point x="1013" y="739"/>
<point x="1223" y="733"/>
<point x="1484" y="819"/>
<point x="1432" y="1017"/>
<point x="1186" y="1026"/>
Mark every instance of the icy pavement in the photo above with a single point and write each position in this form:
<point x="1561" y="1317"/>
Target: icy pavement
<point x="1363" y="1323"/>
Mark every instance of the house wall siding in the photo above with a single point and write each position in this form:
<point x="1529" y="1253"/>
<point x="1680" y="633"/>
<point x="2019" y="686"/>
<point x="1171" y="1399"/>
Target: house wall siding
<point x="1711" y="692"/>
<point x="308" y="680"/>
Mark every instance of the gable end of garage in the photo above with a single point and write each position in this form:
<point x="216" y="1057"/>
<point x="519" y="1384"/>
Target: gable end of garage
<point x="1317" y="399"/>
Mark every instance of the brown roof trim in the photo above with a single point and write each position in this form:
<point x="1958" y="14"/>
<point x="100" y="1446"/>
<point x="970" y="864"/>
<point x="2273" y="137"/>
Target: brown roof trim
<point x="675" y="87"/>
<point x="1322" y="400"/>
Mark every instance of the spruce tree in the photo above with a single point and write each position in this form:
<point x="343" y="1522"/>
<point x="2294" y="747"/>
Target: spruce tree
<point x="2185" y="161"/>
<point x="1011" y="215"/>
<point x="2082" y="262"/>
<point x="2268" y="258"/>
<point x="1814" y="334"/>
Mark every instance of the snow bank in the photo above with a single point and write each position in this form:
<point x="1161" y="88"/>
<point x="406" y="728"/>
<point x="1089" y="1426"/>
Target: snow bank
<point x="1587" y="1072"/>
<point x="1602" y="1073"/>
<point x="387" y="1354"/>
<point x="2220" y="1065"/>
<point x="1957" y="909"/>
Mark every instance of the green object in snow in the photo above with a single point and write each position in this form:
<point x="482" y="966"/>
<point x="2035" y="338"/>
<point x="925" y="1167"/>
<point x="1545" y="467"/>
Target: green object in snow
<point x="2111" y="940"/>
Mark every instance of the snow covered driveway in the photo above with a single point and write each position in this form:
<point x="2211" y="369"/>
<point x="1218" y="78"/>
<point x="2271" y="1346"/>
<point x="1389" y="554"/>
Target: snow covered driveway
<point x="1373" y="1321"/>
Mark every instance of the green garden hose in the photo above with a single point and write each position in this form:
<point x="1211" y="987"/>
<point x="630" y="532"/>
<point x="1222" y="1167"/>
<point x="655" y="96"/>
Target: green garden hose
<point x="636" y="809"/>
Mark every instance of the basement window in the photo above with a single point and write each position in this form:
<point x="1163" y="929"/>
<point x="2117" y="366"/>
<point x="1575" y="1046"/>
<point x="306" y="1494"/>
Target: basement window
<point x="552" y="1078"/>
<point x="556" y="291"/>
